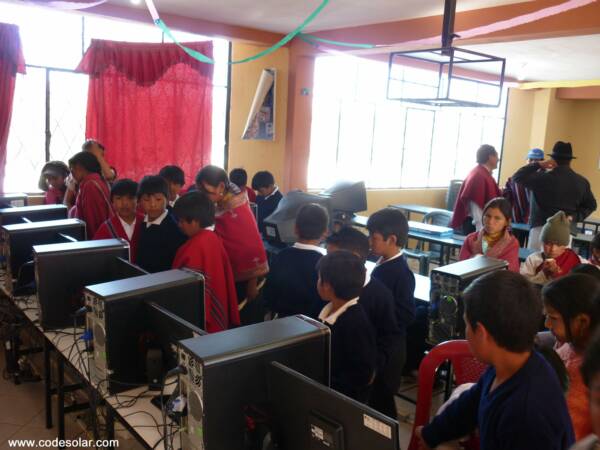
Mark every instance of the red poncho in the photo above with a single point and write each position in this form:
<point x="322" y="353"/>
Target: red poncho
<point x="507" y="249"/>
<point x="92" y="204"/>
<point x="113" y="229"/>
<point x="479" y="187"/>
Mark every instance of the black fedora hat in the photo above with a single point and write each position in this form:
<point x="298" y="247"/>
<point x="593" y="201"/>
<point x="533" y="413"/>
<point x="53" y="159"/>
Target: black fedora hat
<point x="562" y="150"/>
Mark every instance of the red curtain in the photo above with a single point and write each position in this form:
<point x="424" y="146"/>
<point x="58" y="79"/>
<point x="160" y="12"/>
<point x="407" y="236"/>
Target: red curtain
<point x="11" y="62"/>
<point x="150" y="105"/>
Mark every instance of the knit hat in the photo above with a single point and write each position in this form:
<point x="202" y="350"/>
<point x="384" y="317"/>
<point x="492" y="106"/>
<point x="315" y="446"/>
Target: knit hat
<point x="557" y="229"/>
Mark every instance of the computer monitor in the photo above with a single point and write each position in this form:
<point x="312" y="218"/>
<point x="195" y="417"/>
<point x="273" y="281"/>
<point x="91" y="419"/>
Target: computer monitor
<point x="347" y="196"/>
<point x="307" y="415"/>
<point x="13" y="199"/>
<point x="280" y="226"/>
<point x="37" y="213"/>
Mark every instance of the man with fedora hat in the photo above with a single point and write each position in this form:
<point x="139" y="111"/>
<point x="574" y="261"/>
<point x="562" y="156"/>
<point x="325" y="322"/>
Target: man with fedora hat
<point x="556" y="187"/>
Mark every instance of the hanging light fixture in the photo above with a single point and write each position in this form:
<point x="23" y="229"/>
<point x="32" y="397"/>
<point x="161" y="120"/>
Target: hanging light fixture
<point x="446" y="76"/>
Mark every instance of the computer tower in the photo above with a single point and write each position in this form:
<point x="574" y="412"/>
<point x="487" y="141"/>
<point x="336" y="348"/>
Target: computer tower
<point x="18" y="241"/>
<point x="37" y="213"/>
<point x="446" y="305"/>
<point x="117" y="320"/>
<point x="63" y="270"/>
<point x="226" y="375"/>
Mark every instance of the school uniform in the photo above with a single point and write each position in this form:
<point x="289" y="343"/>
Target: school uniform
<point x="159" y="241"/>
<point x="266" y="205"/>
<point x="526" y="412"/>
<point x="291" y="286"/>
<point x="115" y="228"/>
<point x="92" y="204"/>
<point x="353" y="349"/>
<point x="204" y="252"/>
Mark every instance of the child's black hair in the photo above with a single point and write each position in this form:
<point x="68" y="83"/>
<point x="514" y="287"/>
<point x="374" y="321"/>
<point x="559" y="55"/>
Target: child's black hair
<point x="173" y="174"/>
<point x="344" y="271"/>
<point x="484" y="152"/>
<point x="502" y="204"/>
<point x="59" y="167"/>
<point x="239" y="177"/>
<point x="572" y="295"/>
<point x="595" y="242"/>
<point x="86" y="160"/>
<point x="590" y="368"/>
<point x="262" y="179"/>
<point x="124" y="187"/>
<point x="348" y="238"/>
<point x="389" y="222"/>
<point x="153" y="184"/>
<point x="508" y="306"/>
<point x="212" y="175"/>
<point x="195" y="206"/>
<point x="311" y="221"/>
<point x="587" y="269"/>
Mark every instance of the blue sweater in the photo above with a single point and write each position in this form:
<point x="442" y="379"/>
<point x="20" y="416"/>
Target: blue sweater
<point x="526" y="412"/>
<point x="399" y="279"/>
<point x="158" y="244"/>
<point x="265" y="207"/>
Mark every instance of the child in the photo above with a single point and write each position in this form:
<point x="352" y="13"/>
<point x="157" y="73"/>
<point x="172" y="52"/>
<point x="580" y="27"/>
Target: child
<point x="572" y="305"/>
<point x="239" y="177"/>
<point x="291" y="286"/>
<point x="595" y="251"/>
<point x="517" y="404"/>
<point x="175" y="180"/>
<point x="94" y="147"/>
<point x="127" y="222"/>
<point x="160" y="236"/>
<point x="204" y="252"/>
<point x="353" y="348"/>
<point x="587" y="269"/>
<point x="268" y="196"/>
<point x="378" y="302"/>
<point x="556" y="259"/>
<point x="91" y="203"/>
<point x="494" y="239"/>
<point x="52" y="182"/>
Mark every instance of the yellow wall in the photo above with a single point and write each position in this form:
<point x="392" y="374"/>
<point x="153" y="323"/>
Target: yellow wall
<point x="257" y="155"/>
<point x="380" y="198"/>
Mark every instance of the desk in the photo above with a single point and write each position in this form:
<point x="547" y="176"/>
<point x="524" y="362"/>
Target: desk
<point x="359" y="221"/>
<point x="524" y="253"/>
<point x="422" y="288"/>
<point x="417" y="209"/>
<point x="446" y="243"/>
<point x="593" y="221"/>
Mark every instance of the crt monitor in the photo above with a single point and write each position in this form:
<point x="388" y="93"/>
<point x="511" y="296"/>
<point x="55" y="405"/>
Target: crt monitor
<point x="307" y="415"/>
<point x="347" y="196"/>
<point x="279" y="226"/>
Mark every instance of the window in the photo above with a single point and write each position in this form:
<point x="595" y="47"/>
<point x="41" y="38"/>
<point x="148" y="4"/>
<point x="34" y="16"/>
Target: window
<point x="48" y="120"/>
<point x="358" y="134"/>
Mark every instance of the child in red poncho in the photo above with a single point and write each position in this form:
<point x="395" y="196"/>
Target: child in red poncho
<point x="204" y="252"/>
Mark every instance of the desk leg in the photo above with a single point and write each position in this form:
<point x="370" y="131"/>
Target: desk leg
<point x="60" y="401"/>
<point x="48" y="383"/>
<point x="110" y="424"/>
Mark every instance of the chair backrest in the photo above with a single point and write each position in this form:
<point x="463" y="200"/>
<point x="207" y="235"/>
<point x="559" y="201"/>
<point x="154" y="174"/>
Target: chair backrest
<point x="467" y="369"/>
<point x="441" y="218"/>
<point x="452" y="193"/>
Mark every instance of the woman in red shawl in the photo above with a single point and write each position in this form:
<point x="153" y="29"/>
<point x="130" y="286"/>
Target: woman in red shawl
<point x="494" y="240"/>
<point x="92" y="204"/>
<point x="236" y="225"/>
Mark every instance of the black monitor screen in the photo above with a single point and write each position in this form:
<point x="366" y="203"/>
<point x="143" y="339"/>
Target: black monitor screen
<point x="310" y="416"/>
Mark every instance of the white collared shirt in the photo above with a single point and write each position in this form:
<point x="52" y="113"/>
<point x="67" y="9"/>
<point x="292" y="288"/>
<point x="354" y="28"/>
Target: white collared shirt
<point x="381" y="261"/>
<point x="172" y="203"/>
<point x="129" y="229"/>
<point x="156" y="221"/>
<point x="272" y="193"/>
<point x="314" y="248"/>
<point x="327" y="316"/>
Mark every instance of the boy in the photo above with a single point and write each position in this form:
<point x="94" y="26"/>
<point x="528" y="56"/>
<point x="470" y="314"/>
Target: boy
<point x="353" y="348"/>
<point x="127" y="222"/>
<point x="268" y="196"/>
<point x="291" y="286"/>
<point x="175" y="180"/>
<point x="204" y="252"/>
<point x="378" y="303"/>
<point x="595" y="251"/>
<point x="160" y="236"/>
<point x="239" y="177"/>
<point x="518" y="403"/>
<point x="556" y="259"/>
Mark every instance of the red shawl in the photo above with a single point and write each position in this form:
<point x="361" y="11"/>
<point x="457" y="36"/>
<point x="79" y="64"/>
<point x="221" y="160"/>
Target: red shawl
<point x="236" y="225"/>
<point x="113" y="229"/>
<point x="507" y="249"/>
<point x="479" y="187"/>
<point x="566" y="262"/>
<point x="92" y="204"/>
<point x="204" y="252"/>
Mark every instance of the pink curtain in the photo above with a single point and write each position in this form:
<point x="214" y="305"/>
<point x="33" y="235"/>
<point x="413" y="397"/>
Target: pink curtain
<point x="11" y="62"/>
<point x="150" y="105"/>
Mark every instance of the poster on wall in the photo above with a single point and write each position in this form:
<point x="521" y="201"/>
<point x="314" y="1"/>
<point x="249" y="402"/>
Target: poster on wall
<point x="261" y="119"/>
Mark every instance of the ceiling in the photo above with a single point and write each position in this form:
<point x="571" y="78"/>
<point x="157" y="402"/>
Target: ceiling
<point x="285" y="15"/>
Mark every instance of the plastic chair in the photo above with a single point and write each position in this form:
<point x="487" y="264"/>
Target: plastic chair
<point x="467" y="369"/>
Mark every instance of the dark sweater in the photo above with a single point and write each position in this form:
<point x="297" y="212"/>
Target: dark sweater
<point x="158" y="244"/>
<point x="396" y="275"/>
<point x="560" y="189"/>
<point x="378" y="303"/>
<point x="353" y="353"/>
<point x="265" y="207"/>
<point x="291" y="286"/>
<point x="526" y="412"/>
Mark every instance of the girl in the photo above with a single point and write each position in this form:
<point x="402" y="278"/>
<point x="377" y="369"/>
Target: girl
<point x="494" y="239"/>
<point x="572" y="308"/>
<point x="92" y="204"/>
<point x="52" y="182"/>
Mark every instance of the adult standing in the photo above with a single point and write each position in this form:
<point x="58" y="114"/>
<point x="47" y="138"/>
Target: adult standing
<point x="477" y="189"/>
<point x="517" y="194"/>
<point x="556" y="187"/>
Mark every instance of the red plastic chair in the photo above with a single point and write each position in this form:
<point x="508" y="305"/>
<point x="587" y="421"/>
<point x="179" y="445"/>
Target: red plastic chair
<point x="466" y="368"/>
